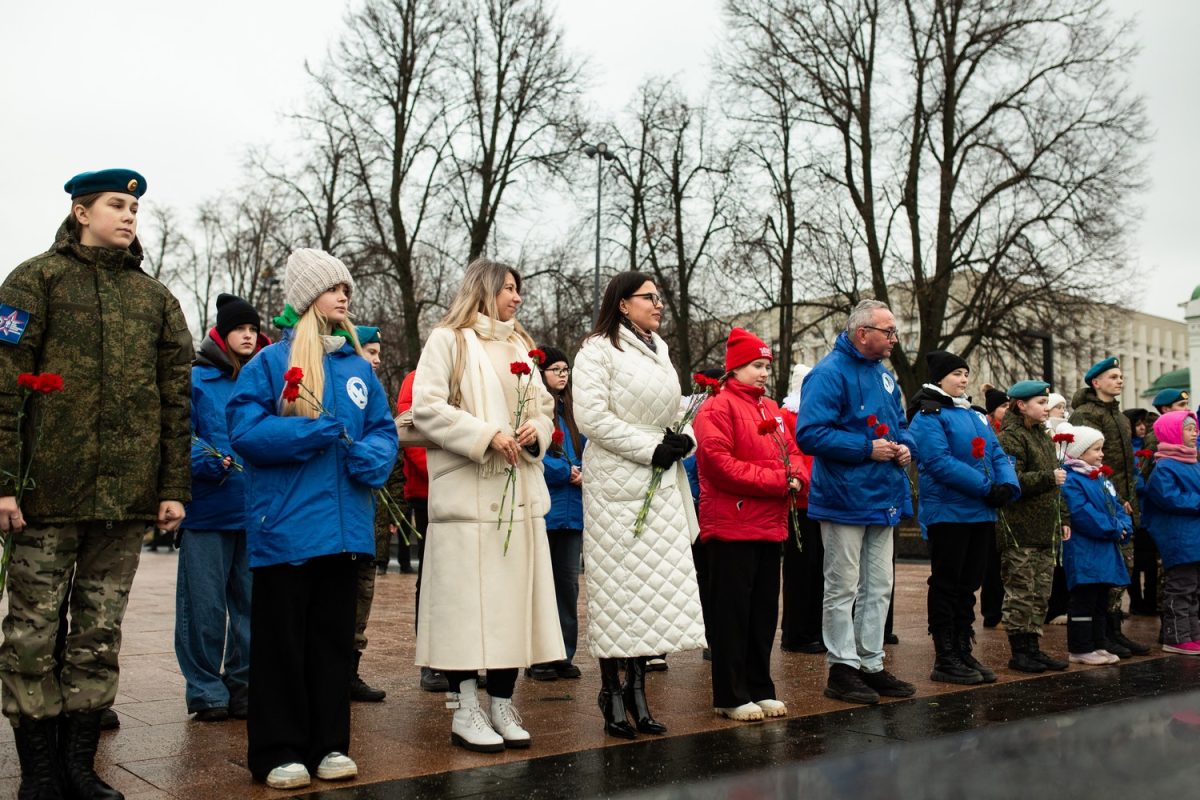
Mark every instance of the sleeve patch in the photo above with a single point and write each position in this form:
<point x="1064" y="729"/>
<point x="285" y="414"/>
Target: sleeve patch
<point x="12" y="324"/>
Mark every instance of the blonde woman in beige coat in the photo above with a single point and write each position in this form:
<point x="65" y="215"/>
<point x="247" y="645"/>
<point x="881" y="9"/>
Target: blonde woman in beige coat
<point x="482" y="607"/>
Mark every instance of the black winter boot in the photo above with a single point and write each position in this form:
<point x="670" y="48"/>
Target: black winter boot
<point x="78" y="736"/>
<point x="1023" y="645"/>
<point x="1048" y="661"/>
<point x="37" y="748"/>
<point x="949" y="666"/>
<point x="1115" y="637"/>
<point x="635" y="696"/>
<point x="612" y="701"/>
<point x="359" y="690"/>
<point x="965" y="639"/>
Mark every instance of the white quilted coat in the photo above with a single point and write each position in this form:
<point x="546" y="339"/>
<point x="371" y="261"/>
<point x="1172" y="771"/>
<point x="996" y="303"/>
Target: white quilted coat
<point x="481" y="608"/>
<point x="642" y="594"/>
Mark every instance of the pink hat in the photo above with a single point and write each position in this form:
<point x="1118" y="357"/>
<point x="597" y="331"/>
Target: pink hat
<point x="1169" y="427"/>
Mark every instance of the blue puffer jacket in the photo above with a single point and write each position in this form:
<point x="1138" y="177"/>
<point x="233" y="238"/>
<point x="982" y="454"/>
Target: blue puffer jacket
<point x="1172" y="511"/>
<point x="954" y="482"/>
<point x="308" y="491"/>
<point x="842" y="391"/>
<point x="566" y="501"/>
<point x="1098" y="525"/>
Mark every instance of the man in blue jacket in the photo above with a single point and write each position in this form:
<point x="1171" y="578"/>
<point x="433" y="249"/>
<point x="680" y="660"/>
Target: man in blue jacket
<point x="852" y="422"/>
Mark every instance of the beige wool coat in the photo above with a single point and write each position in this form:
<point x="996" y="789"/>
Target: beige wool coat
<point x="479" y="607"/>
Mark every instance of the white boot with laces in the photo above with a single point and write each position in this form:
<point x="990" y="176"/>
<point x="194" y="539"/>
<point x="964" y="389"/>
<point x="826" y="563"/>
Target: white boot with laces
<point x="471" y="729"/>
<point x="507" y="722"/>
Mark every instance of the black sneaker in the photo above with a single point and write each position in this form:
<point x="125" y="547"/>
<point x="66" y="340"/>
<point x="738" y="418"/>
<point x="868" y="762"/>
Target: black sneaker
<point x="239" y="703"/>
<point x="109" y="721"/>
<point x="891" y="638"/>
<point x="541" y="672"/>
<point x="214" y="714"/>
<point x="565" y="669"/>
<point x="846" y="684"/>
<point x="887" y="684"/>
<point x="434" y="681"/>
<point x="812" y="648"/>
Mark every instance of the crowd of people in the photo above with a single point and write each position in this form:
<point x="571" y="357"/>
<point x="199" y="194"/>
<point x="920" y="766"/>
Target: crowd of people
<point x="287" y="470"/>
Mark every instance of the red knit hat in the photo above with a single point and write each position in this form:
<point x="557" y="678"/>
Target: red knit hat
<point x="744" y="347"/>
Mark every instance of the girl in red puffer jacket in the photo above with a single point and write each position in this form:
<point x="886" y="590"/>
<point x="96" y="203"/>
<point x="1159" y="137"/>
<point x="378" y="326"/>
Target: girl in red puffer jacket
<point x="745" y="492"/>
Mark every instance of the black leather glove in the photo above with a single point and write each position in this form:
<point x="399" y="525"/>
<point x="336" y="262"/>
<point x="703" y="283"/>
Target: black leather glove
<point x="998" y="496"/>
<point x="680" y="442"/>
<point x="664" y="456"/>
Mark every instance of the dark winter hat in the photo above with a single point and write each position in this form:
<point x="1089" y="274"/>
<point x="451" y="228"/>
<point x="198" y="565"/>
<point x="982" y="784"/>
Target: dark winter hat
<point x="1027" y="390"/>
<point x="1135" y="415"/>
<point x="993" y="399"/>
<point x="125" y="181"/>
<point x="1168" y="397"/>
<point x="553" y="356"/>
<point x="742" y="347"/>
<point x="942" y="362"/>
<point x="233" y="311"/>
<point x="367" y="334"/>
<point x="1099" y="368"/>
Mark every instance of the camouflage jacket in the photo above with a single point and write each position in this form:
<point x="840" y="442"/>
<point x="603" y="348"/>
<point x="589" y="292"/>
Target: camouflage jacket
<point x="1149" y="442"/>
<point x="1034" y="518"/>
<point x="1118" y="440"/>
<point x="117" y="440"/>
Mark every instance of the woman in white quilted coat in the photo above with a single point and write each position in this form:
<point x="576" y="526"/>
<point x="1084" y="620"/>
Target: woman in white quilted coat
<point x="641" y="591"/>
<point x="483" y="608"/>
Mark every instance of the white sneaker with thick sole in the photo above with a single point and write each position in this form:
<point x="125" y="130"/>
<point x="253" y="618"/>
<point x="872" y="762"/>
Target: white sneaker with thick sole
<point x="746" y="712"/>
<point x="337" y="767"/>
<point x="1094" y="658"/>
<point x="289" y="776"/>
<point x="471" y="728"/>
<point x="507" y="722"/>
<point x="772" y="708"/>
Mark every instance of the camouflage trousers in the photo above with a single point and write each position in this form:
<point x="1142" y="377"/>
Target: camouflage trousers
<point x="362" y="606"/>
<point x="104" y="559"/>
<point x="1116" y="595"/>
<point x="1028" y="576"/>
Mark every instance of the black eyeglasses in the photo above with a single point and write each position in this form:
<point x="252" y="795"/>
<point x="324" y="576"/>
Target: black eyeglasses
<point x="890" y="333"/>
<point x="559" y="370"/>
<point x="654" y="297"/>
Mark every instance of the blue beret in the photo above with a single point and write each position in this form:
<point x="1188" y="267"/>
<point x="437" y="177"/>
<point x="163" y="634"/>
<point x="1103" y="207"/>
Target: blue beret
<point x="106" y="180"/>
<point x="1168" y="396"/>
<point x="1026" y="390"/>
<point x="367" y="334"/>
<point x="1101" y="367"/>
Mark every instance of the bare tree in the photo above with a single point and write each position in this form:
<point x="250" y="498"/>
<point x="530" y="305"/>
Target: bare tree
<point x="166" y="247"/>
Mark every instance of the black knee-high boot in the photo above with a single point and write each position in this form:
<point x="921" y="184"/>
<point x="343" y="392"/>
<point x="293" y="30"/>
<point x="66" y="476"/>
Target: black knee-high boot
<point x="635" y="696"/>
<point x="612" y="700"/>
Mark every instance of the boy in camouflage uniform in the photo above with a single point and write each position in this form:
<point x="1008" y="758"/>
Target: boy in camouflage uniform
<point x="1096" y="406"/>
<point x="114" y="459"/>
<point x="1030" y="528"/>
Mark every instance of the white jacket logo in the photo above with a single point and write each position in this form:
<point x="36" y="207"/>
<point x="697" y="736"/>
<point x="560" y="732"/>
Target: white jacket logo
<point x="888" y="383"/>
<point x="357" y="391"/>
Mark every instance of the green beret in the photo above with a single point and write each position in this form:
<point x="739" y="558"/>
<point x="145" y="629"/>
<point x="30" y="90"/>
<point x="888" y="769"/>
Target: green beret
<point x="1027" y="390"/>
<point x="1101" y="367"/>
<point x="1169" y="396"/>
<point x="125" y="181"/>
<point x="367" y="334"/>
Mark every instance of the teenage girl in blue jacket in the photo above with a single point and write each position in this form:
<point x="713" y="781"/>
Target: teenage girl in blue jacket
<point x="311" y="467"/>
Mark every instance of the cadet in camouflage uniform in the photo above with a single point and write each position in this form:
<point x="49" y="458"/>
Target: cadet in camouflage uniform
<point x="1096" y="406"/>
<point x="1030" y="528"/>
<point x="113" y="459"/>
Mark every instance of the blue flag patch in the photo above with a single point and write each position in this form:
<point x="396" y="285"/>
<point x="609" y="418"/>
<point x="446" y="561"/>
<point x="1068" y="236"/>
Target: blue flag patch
<point x="12" y="324"/>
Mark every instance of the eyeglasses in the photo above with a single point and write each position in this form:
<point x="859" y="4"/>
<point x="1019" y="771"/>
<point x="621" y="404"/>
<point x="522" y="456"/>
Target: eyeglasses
<point x="654" y="297"/>
<point x="890" y="333"/>
<point x="560" y="370"/>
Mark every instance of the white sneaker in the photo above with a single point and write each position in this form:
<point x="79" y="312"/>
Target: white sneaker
<point x="772" y="708"/>
<point x="746" y="712"/>
<point x="1094" y="658"/>
<point x="337" y="767"/>
<point x="507" y="722"/>
<point x="1112" y="657"/>
<point x="1061" y="619"/>
<point x="471" y="728"/>
<point x="289" y="776"/>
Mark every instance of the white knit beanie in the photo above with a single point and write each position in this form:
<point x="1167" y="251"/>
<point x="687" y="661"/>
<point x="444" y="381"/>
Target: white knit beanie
<point x="311" y="273"/>
<point x="1056" y="399"/>
<point x="1085" y="437"/>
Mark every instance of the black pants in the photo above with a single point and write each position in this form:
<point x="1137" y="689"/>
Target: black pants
<point x="743" y="592"/>
<point x="301" y="662"/>
<point x="1143" y="580"/>
<point x="957" y="558"/>
<point x="700" y="559"/>
<point x="1181" y="606"/>
<point x="991" y="599"/>
<point x="1087" y="617"/>
<point x="803" y="584"/>
<point x="420" y="509"/>
<point x="1060" y="598"/>
<point x="500" y="682"/>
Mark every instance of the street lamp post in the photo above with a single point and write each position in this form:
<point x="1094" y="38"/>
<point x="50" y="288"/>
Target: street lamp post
<point x="598" y="151"/>
<point x="1047" y="352"/>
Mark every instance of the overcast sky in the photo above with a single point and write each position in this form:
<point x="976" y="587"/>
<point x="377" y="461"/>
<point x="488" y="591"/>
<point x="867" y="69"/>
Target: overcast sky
<point x="180" y="94"/>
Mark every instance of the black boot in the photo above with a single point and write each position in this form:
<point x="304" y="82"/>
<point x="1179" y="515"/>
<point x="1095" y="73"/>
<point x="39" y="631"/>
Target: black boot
<point x="359" y="690"/>
<point x="964" y="638"/>
<point x="1022" y="660"/>
<point x="635" y="696"/>
<point x="1047" y="660"/>
<point x="78" y="735"/>
<point x="612" y="701"/>
<point x="948" y="666"/>
<point x="1115" y="637"/>
<point x="37" y="749"/>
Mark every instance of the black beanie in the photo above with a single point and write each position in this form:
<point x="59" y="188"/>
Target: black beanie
<point x="994" y="398"/>
<point x="553" y="356"/>
<point x="941" y="363"/>
<point x="233" y="311"/>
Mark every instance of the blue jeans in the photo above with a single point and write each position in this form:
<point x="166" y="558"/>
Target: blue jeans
<point x="212" y="616"/>
<point x="858" y="588"/>
<point x="566" y="546"/>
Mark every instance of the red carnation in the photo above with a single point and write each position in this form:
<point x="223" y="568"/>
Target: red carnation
<point x="767" y="427"/>
<point x="519" y="368"/>
<point x="27" y="380"/>
<point x="978" y="447"/>
<point x="1146" y="453"/>
<point x="1096" y="473"/>
<point x="1063" y="437"/>
<point x="881" y="430"/>
<point x="557" y="438"/>
<point x="1106" y="470"/>
<point x="49" y="382"/>
<point x="293" y="376"/>
<point x="291" y="392"/>
<point x="872" y="421"/>
<point x="538" y="356"/>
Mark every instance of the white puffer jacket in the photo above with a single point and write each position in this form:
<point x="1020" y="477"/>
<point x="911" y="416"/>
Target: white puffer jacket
<point x="642" y="594"/>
